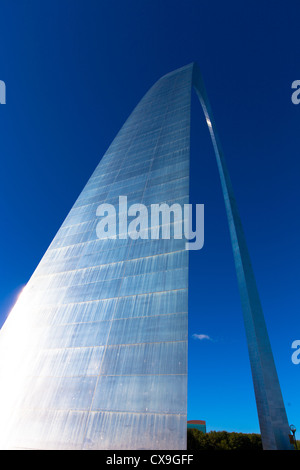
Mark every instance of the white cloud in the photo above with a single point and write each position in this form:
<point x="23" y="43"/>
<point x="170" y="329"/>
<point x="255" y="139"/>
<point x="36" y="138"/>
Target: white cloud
<point x="201" y="337"/>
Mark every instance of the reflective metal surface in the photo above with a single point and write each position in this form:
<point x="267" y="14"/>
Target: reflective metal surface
<point x="270" y="406"/>
<point x="94" y="354"/>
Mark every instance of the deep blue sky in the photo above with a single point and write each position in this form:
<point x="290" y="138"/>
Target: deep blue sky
<point x="74" y="70"/>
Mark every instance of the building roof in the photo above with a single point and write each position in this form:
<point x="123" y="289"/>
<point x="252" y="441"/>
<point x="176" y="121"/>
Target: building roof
<point x="196" y="421"/>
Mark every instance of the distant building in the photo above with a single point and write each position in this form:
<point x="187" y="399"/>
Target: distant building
<point x="196" y="424"/>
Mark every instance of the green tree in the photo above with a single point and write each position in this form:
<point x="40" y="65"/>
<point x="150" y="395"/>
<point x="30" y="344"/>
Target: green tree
<point x="222" y="440"/>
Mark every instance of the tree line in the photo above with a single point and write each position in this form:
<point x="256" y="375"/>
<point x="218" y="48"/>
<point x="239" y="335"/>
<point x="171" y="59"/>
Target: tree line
<point x="222" y="440"/>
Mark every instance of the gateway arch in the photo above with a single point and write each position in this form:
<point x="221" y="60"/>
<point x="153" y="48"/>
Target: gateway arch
<point x="94" y="353"/>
